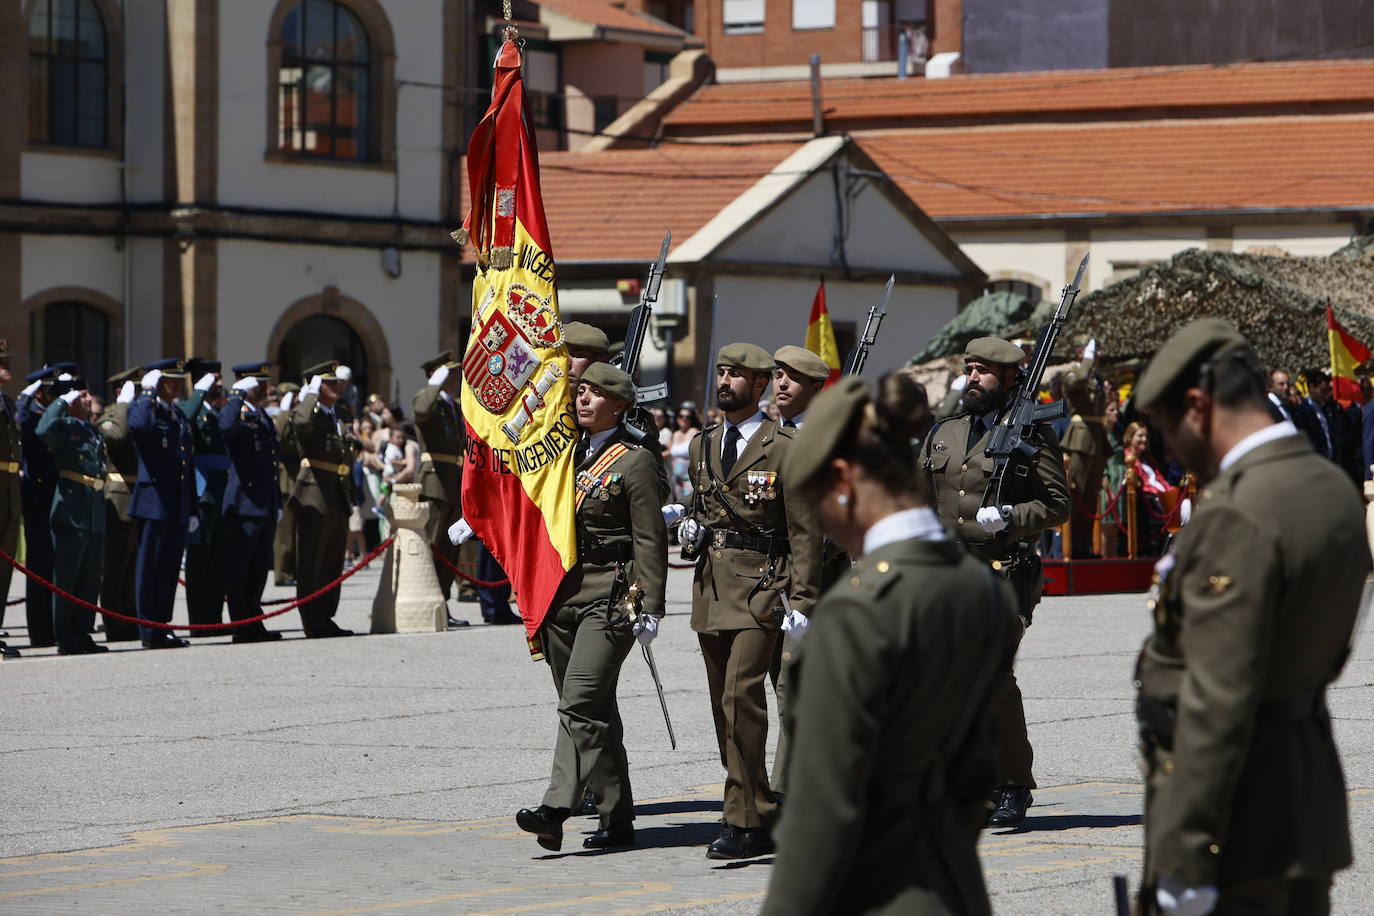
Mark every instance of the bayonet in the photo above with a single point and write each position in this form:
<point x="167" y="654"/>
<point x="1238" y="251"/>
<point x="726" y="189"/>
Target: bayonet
<point x="869" y="337"/>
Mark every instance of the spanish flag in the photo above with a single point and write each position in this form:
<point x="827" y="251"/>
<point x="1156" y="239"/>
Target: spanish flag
<point x="820" y="335"/>
<point x="1346" y="354"/>
<point x="517" y="406"/>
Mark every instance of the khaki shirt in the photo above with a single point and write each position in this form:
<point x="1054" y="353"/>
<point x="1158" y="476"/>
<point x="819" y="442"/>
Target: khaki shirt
<point x="123" y="469"/>
<point x="725" y="576"/>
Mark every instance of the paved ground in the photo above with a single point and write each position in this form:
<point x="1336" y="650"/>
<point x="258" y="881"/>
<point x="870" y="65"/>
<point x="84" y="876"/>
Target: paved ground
<point x="380" y="775"/>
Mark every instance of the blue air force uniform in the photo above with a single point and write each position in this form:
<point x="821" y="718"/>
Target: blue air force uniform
<point x="205" y="584"/>
<point x="37" y="488"/>
<point x="164" y="499"/>
<point x="252" y="501"/>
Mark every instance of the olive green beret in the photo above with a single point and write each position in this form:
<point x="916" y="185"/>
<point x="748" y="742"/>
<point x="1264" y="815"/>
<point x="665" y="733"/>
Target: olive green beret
<point x="829" y="421"/>
<point x="1179" y="360"/>
<point x="327" y="371"/>
<point x="447" y="358"/>
<point x="610" y="380"/>
<point x="286" y="388"/>
<point x="128" y="375"/>
<point x="583" y="336"/>
<point x="994" y="350"/>
<point x="804" y="361"/>
<point x="746" y="356"/>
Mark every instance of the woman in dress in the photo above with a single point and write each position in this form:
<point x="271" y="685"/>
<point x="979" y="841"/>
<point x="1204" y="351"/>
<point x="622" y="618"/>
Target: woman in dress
<point x="688" y="424"/>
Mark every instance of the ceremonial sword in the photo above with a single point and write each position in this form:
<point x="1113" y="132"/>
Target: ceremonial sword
<point x="631" y="604"/>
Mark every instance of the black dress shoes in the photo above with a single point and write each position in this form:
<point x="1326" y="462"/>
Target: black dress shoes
<point x="89" y="647"/>
<point x="164" y="640"/>
<point x="455" y="622"/>
<point x="586" y="807"/>
<point x="503" y="620"/>
<point x="1009" y="806"/>
<point x="546" y="823"/>
<point x="8" y="651"/>
<point x="262" y="635"/>
<point x="740" y="843"/>
<point x="611" y="837"/>
<point x="329" y="632"/>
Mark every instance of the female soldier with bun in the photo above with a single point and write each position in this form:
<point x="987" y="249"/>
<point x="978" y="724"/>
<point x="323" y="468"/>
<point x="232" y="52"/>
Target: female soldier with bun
<point x="622" y="559"/>
<point x="893" y="754"/>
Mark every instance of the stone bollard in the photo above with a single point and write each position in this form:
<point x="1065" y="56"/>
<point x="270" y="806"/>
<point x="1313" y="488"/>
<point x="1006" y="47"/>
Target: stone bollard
<point x="408" y="597"/>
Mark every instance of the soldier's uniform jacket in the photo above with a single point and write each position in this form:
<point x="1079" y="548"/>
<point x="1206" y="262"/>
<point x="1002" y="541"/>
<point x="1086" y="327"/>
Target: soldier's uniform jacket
<point x="289" y="456"/>
<point x="621" y="536"/>
<point x="11" y="458"/>
<point x="165" y="489"/>
<point x="442" y="437"/>
<point x="725" y="592"/>
<point x="251" y="439"/>
<point x="122" y="471"/>
<point x="959" y="477"/>
<point x="325" y="479"/>
<point x="79" y="454"/>
<point x="1085" y="433"/>
<point x="1253" y="612"/>
<point x="211" y="460"/>
<point x="40" y="473"/>
<point x="892" y="747"/>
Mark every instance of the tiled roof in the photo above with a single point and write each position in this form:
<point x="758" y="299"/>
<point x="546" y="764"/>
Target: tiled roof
<point x="1107" y="94"/>
<point x="606" y="15"/>
<point x="616" y="205"/>
<point x="1278" y="162"/>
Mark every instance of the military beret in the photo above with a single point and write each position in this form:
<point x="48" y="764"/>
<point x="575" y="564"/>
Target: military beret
<point x="617" y="347"/>
<point x="256" y="370"/>
<point x="610" y="380"/>
<point x="994" y="350"/>
<point x="327" y="371"/>
<point x="286" y="388"/>
<point x="196" y="366"/>
<point x="1180" y="359"/>
<point x="171" y="367"/>
<point x="829" y="421"/>
<point x="132" y="374"/>
<point x="746" y="356"/>
<point x="585" y="337"/>
<point x="447" y="358"/>
<point x="804" y="361"/>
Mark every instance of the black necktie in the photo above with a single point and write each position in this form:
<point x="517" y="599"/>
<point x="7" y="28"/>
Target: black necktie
<point x="975" y="432"/>
<point x="731" y="451"/>
<point x="580" y="453"/>
<point x="789" y="422"/>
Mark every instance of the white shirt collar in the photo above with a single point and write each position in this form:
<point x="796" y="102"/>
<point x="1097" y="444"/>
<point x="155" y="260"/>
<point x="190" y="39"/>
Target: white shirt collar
<point x="596" y="440"/>
<point x="797" y="421"/>
<point x="1255" y="440"/>
<point x="746" y="430"/>
<point x="910" y="524"/>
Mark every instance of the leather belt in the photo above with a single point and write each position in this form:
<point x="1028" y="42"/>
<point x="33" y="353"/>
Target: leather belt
<point x="759" y="543"/>
<point x="436" y="456"/>
<point x="605" y="556"/>
<point x="9" y="467"/>
<point x="95" y="483"/>
<point x="116" y="477"/>
<point x="342" y="470"/>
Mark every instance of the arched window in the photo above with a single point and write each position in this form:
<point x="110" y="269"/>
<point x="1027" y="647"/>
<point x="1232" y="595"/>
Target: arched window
<point x="76" y="332"/>
<point x="68" y="74"/>
<point x="325" y="78"/>
<point x="316" y="338"/>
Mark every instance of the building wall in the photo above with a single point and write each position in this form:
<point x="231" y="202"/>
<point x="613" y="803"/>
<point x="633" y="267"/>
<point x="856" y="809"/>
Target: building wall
<point x="593" y="69"/>
<point x="1008" y="35"/>
<point x="779" y="44"/>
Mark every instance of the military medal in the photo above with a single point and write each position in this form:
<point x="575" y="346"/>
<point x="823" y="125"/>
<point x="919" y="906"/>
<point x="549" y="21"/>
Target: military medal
<point x="769" y="479"/>
<point x="612" y="483"/>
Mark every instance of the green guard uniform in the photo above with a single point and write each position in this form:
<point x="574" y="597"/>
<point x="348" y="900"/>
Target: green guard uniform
<point x="121" y="529"/>
<point x="205" y="546"/>
<point x="284" y="540"/>
<point x="1085" y="442"/>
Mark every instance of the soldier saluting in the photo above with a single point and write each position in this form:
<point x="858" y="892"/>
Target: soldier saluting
<point x="439" y="427"/>
<point x="759" y="563"/>
<point x="205" y="548"/>
<point x="117" y="590"/>
<point x="954" y="456"/>
<point x="1253" y="606"/>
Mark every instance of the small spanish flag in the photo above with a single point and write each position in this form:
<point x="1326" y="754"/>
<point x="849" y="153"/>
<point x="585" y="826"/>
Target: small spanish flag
<point x="1346" y="354"/>
<point x="820" y="335"/>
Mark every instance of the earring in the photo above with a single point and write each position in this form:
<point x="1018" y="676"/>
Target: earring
<point x="842" y="499"/>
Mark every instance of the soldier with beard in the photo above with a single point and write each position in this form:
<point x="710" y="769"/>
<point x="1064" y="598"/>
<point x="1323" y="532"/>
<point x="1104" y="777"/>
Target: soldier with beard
<point x="958" y="470"/>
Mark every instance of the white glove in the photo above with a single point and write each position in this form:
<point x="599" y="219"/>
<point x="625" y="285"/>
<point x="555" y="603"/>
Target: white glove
<point x="313" y="386"/>
<point x="287" y="400"/>
<point x="990" y="517"/>
<point x="438" y="376"/>
<point x="1185" y="512"/>
<point x="1174" y="898"/>
<point x="673" y="513"/>
<point x="344" y="374"/>
<point x="151" y="379"/>
<point x="459" y="531"/>
<point x="794" y="624"/>
<point x="192" y="524"/>
<point x="246" y="384"/>
<point x="688" y="530"/>
<point x="960" y="383"/>
<point x="645" y="628"/>
<point x="70" y="397"/>
<point x="127" y="393"/>
<point x="1090" y="351"/>
<point x="32" y="388"/>
<point x="205" y="382"/>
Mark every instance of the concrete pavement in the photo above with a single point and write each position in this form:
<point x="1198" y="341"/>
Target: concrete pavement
<point x="380" y="775"/>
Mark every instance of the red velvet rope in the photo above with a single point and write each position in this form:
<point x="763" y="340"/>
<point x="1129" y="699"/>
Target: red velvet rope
<point x="480" y="583"/>
<point x="291" y="606"/>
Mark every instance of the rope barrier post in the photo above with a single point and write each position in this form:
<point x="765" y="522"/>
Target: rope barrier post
<point x="1097" y="523"/>
<point x="1131" y="533"/>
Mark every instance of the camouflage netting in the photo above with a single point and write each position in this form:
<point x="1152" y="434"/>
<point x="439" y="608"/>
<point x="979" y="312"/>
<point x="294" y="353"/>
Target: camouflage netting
<point x="989" y="314"/>
<point x="1279" y="303"/>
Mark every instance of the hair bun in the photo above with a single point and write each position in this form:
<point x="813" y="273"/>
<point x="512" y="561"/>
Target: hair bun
<point x="900" y="406"/>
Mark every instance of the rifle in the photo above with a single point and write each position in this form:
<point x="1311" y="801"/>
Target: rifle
<point x="1015" y="437"/>
<point x="637" y="421"/>
<point x="876" y="314"/>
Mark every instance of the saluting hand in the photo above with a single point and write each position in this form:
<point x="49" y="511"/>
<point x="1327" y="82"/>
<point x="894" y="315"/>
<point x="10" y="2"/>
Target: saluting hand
<point x="127" y="393"/>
